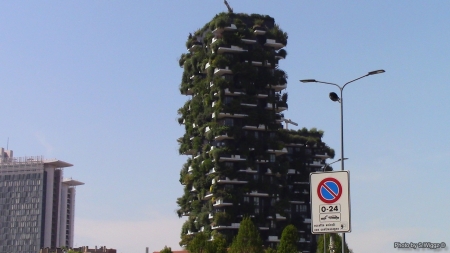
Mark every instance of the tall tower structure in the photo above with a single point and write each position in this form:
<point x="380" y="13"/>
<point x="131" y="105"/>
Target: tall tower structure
<point x="37" y="206"/>
<point x="241" y="161"/>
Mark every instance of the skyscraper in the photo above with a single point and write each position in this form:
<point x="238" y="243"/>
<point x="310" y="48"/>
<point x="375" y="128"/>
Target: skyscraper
<point x="36" y="204"/>
<point x="242" y="162"/>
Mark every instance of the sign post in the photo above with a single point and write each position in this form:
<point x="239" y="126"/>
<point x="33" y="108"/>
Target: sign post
<point x="330" y="202"/>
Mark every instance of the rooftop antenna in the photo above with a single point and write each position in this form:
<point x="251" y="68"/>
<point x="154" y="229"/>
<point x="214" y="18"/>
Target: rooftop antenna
<point x="7" y="144"/>
<point x="289" y="121"/>
<point x="230" y="10"/>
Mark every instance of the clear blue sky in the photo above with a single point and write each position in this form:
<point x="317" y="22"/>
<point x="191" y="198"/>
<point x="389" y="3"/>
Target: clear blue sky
<point x="95" y="83"/>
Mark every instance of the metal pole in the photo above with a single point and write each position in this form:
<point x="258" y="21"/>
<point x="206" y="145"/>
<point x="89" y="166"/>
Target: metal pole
<point x="342" y="153"/>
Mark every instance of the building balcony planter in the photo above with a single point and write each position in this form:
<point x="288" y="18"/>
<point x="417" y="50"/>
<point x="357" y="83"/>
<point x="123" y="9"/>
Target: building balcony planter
<point x="223" y="137"/>
<point x="322" y="156"/>
<point x="317" y="164"/>
<point x="228" y="115"/>
<point x="208" y="195"/>
<point x="277" y="152"/>
<point x="232" y="226"/>
<point x="232" y="158"/>
<point x="220" y="72"/>
<point x="257" y="128"/>
<point x="256" y="194"/>
<point x="278" y="108"/>
<point x="226" y="180"/>
<point x="277" y="87"/>
<point x="231" y="93"/>
<point x="272" y="238"/>
<point x="256" y="63"/>
<point x="249" y="170"/>
<point x="195" y="46"/>
<point x="274" y="44"/>
<point x="257" y="30"/>
<point x="249" y="41"/>
<point x="221" y="202"/>
<point x="231" y="49"/>
<point x="219" y="30"/>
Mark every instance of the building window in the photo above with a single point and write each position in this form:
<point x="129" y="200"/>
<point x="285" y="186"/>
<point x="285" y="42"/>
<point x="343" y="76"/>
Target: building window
<point x="246" y="199"/>
<point x="228" y="100"/>
<point x="256" y="201"/>
<point x="272" y="158"/>
<point x="229" y="122"/>
<point x="290" y="150"/>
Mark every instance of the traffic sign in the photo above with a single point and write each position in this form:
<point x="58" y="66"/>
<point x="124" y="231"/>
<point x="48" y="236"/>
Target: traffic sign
<point x="330" y="202"/>
<point x="329" y="190"/>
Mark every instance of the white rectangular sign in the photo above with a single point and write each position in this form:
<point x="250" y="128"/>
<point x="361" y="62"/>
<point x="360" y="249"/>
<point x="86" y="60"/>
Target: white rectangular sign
<point x="330" y="202"/>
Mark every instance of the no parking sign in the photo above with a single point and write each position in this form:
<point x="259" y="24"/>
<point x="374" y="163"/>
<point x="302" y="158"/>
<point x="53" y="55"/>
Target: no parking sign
<point x="330" y="202"/>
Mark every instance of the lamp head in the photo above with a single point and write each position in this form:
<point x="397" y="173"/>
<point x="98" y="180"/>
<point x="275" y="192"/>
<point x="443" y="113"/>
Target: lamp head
<point x="334" y="97"/>
<point x="308" y="81"/>
<point x="376" y="72"/>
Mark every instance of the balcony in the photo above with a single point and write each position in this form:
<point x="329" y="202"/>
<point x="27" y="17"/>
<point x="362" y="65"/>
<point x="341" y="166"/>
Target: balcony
<point x="208" y="195"/>
<point x="223" y="137"/>
<point x="221" y="202"/>
<point x="256" y="194"/>
<point x="291" y="171"/>
<point x="193" y="189"/>
<point x="220" y="72"/>
<point x="256" y="63"/>
<point x="279" y="217"/>
<point x="274" y="44"/>
<point x="190" y="169"/>
<point x="258" y="128"/>
<point x="277" y="87"/>
<point x="272" y="238"/>
<point x="249" y="105"/>
<point x="232" y="158"/>
<point x="280" y="108"/>
<point x="196" y="46"/>
<point x="249" y="170"/>
<point x="277" y="152"/>
<point x="233" y="226"/>
<point x="316" y="163"/>
<point x="229" y="93"/>
<point x="207" y="66"/>
<point x="231" y="49"/>
<point x="228" y="115"/>
<point x="307" y="220"/>
<point x="259" y="31"/>
<point x="322" y="156"/>
<point x="219" y="31"/>
<point x="210" y="216"/>
<point x="212" y="171"/>
<point x="248" y="41"/>
<point x="207" y="129"/>
<point x="226" y="180"/>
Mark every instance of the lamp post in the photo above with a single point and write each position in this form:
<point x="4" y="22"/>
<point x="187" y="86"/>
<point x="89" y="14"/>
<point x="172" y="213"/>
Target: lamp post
<point x="334" y="97"/>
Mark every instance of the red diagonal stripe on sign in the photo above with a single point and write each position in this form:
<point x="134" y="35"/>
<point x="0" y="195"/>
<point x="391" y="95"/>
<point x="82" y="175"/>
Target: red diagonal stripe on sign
<point x="329" y="190"/>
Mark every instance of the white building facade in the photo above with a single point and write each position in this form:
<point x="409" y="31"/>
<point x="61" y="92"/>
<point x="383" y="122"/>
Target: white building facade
<point x="36" y="204"/>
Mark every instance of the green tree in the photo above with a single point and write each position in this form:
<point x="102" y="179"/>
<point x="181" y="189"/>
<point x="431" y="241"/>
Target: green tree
<point x="289" y="239"/>
<point x="166" y="250"/>
<point x="200" y="244"/>
<point x="219" y="244"/>
<point x="248" y="239"/>
<point x="337" y="244"/>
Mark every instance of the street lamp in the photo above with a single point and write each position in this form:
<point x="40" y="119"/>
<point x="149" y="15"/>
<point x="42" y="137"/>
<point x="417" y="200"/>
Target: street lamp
<point x="334" y="97"/>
